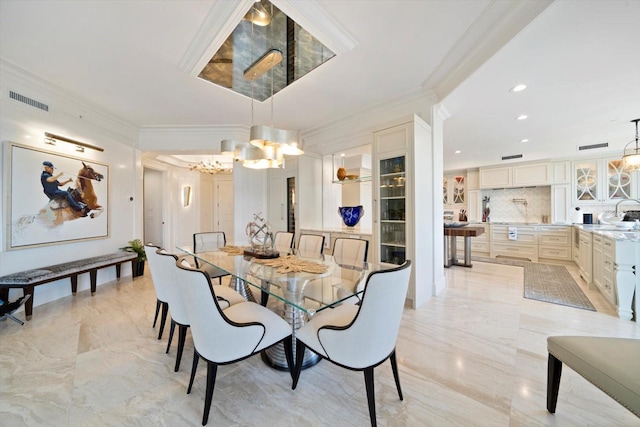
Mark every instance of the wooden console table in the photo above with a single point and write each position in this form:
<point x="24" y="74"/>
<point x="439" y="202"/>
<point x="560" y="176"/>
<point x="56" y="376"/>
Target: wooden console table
<point x="450" y="249"/>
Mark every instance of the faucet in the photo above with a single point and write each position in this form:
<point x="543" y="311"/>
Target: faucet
<point x="625" y="200"/>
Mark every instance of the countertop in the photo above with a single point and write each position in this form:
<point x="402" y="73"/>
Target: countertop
<point x="611" y="231"/>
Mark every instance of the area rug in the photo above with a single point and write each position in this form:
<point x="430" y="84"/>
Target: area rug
<point x="547" y="283"/>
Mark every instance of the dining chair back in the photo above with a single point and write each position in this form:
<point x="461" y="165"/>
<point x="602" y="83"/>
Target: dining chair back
<point x="229" y="336"/>
<point x="164" y="264"/>
<point x="208" y="241"/>
<point x="360" y="337"/>
<point x="159" y="285"/>
<point x="347" y="253"/>
<point x="310" y="244"/>
<point x="205" y="242"/>
<point x="283" y="241"/>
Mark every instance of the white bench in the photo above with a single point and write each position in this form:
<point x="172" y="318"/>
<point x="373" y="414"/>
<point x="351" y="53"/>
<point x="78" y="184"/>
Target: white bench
<point x="27" y="280"/>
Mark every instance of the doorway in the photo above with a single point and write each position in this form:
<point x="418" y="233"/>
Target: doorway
<point x="152" y="207"/>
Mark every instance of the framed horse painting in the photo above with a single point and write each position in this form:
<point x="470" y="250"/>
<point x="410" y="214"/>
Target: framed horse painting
<point x="55" y="198"/>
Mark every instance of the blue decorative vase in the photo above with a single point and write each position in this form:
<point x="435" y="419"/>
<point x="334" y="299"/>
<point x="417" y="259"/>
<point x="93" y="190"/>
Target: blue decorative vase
<point x="351" y="214"/>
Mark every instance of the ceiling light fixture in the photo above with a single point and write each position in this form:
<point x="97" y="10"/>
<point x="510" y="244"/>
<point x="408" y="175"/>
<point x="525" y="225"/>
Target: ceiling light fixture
<point x="266" y="62"/>
<point x="522" y="117"/>
<point x="631" y="156"/>
<point x="524" y="140"/>
<point x="275" y="143"/>
<point x="212" y="168"/>
<point x="258" y="15"/>
<point x="518" y="88"/>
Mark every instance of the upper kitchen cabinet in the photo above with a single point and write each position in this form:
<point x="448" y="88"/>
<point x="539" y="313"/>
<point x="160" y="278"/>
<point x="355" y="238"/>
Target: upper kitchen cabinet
<point x="601" y="181"/>
<point x="454" y="190"/>
<point x="525" y="175"/>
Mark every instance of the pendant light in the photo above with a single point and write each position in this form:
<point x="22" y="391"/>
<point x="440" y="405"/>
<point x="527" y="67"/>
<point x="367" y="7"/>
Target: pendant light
<point x="631" y="155"/>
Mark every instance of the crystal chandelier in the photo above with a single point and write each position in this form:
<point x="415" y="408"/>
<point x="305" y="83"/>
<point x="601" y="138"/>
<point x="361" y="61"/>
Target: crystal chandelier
<point x="212" y="168"/>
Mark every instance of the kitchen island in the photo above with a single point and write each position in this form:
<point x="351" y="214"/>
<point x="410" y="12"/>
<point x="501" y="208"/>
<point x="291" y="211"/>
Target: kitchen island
<point x="450" y="245"/>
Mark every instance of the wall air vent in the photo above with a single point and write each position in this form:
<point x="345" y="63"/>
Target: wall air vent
<point x="593" y="146"/>
<point x="515" y="156"/>
<point x="28" y="101"/>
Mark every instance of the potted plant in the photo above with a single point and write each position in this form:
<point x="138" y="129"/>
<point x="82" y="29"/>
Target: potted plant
<point x="137" y="246"/>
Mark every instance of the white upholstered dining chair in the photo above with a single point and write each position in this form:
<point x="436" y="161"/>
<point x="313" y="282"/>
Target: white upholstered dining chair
<point x="205" y="242"/>
<point x="310" y="245"/>
<point x="160" y="286"/>
<point x="360" y="337"/>
<point x="347" y="253"/>
<point x="229" y="336"/>
<point x="163" y="269"/>
<point x="283" y="241"/>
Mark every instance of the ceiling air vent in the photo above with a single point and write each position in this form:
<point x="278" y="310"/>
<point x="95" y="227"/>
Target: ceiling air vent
<point x="28" y="101"/>
<point x="593" y="146"/>
<point x="515" y="156"/>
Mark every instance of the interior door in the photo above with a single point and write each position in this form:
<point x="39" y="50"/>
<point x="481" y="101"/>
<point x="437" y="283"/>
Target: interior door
<point x="152" y="201"/>
<point x="224" y="208"/>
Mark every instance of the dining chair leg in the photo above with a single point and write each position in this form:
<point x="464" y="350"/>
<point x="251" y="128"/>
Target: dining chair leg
<point x="394" y="367"/>
<point x="171" y="330"/>
<point x="194" y="368"/>
<point x="371" y="398"/>
<point x="212" y="370"/>
<point x="288" y="353"/>
<point x="163" y="318"/>
<point x="182" y="335"/>
<point x="300" y="348"/>
<point x="155" y="318"/>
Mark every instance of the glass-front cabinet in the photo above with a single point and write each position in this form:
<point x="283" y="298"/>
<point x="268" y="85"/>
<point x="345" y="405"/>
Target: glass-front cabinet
<point x="601" y="180"/>
<point x="392" y="202"/>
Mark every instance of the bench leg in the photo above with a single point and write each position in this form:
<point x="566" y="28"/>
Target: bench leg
<point x="93" y="275"/>
<point x="554" y="371"/>
<point x="74" y="284"/>
<point x="118" y="271"/>
<point x="28" y="306"/>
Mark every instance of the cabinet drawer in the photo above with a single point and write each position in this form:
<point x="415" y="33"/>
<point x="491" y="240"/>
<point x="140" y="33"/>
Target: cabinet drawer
<point x="560" y="239"/>
<point x="525" y="234"/>
<point x="555" y="252"/>
<point x="479" y="247"/>
<point x="515" y="250"/>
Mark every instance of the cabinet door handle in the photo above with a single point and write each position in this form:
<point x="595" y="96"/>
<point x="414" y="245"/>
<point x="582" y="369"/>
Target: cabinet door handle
<point x="281" y="210"/>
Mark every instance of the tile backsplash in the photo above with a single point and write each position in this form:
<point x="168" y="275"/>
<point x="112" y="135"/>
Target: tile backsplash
<point x="508" y="204"/>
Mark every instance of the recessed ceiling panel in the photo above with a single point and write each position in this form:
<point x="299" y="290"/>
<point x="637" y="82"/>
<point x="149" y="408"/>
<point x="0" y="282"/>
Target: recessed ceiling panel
<point x="252" y="45"/>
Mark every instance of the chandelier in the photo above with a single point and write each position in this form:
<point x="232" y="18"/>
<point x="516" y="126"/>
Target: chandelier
<point x="631" y="156"/>
<point x="212" y="168"/>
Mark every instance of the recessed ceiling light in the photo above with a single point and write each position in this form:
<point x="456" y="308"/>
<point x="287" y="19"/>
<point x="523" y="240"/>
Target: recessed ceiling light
<point x="457" y="152"/>
<point x="522" y="117"/>
<point x="518" y="88"/>
<point x="524" y="140"/>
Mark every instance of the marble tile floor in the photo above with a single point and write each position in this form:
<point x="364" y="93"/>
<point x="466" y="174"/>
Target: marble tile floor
<point x="473" y="356"/>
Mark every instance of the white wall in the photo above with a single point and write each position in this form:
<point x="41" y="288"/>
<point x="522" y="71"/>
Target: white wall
<point x="80" y="120"/>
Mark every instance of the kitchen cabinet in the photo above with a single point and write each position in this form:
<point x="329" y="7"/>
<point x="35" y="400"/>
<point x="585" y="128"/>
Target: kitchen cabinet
<point x="495" y="177"/>
<point x="601" y="180"/>
<point x="403" y="210"/>
<point x="585" y="257"/>
<point x="524" y="175"/>
<point x="554" y="242"/>
<point x="521" y="244"/>
<point x="473" y="179"/>
<point x="474" y="205"/>
<point x="597" y="261"/>
<point x="560" y="203"/>
<point x="561" y="172"/>
<point x="454" y="191"/>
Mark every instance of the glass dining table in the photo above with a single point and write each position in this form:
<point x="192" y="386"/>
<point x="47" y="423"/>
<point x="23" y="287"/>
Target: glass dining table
<point x="304" y="294"/>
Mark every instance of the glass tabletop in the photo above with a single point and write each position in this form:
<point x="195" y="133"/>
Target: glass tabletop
<point x="310" y="292"/>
